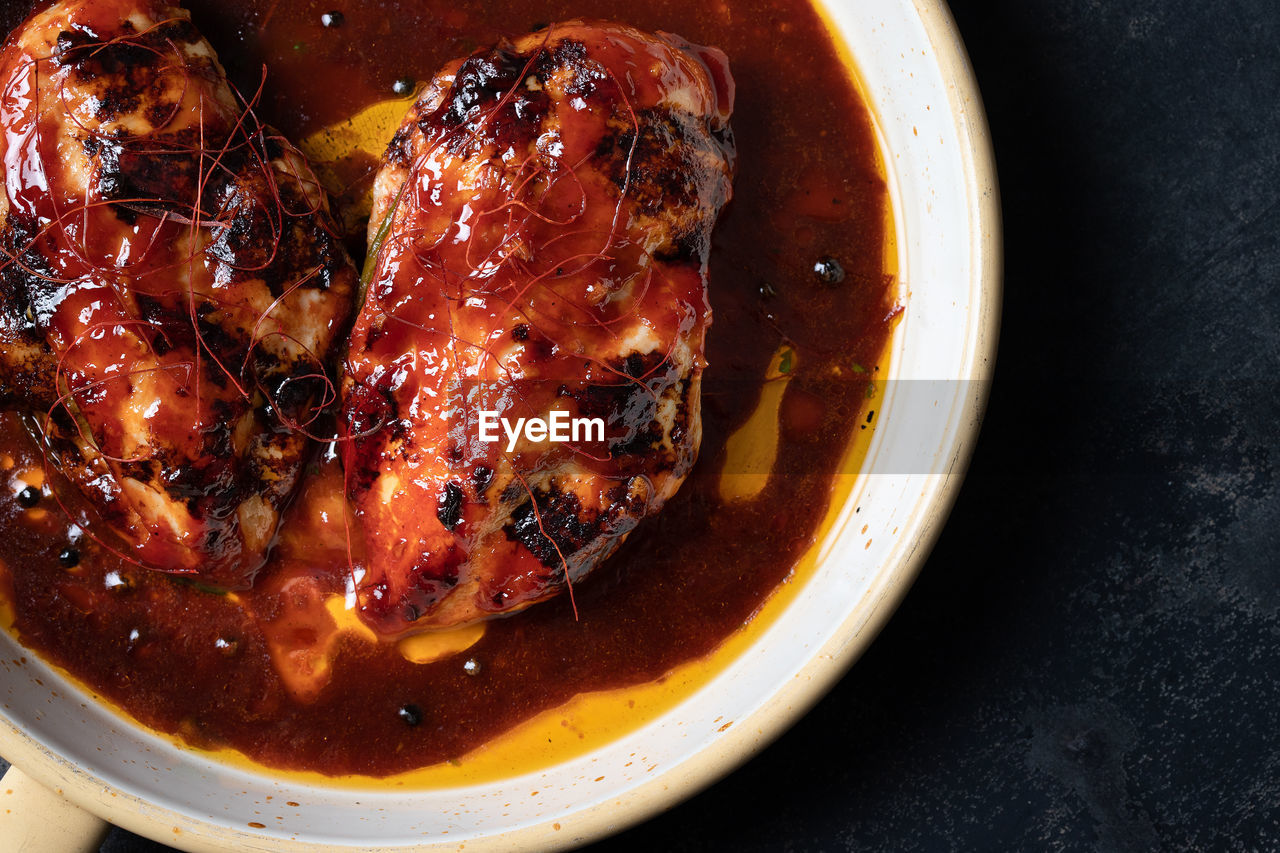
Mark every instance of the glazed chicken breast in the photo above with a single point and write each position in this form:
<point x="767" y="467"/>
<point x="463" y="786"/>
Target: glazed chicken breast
<point x="170" y="286"/>
<point x="539" y="244"/>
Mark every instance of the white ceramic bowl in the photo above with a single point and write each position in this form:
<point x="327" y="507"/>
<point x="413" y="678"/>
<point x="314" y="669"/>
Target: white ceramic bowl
<point x="942" y="183"/>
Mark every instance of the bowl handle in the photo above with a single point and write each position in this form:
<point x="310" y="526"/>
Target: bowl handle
<point x="35" y="819"/>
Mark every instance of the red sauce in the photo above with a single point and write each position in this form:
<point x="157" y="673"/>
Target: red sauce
<point x="197" y="663"/>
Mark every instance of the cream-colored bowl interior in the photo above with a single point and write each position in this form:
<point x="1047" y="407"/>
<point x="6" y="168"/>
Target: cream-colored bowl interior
<point x="911" y="63"/>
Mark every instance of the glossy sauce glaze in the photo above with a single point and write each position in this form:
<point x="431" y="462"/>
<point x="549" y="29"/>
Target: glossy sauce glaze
<point x="546" y="212"/>
<point x="797" y="266"/>
<point x="171" y="287"/>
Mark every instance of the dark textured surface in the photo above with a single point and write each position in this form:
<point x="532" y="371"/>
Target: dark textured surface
<point x="1090" y="658"/>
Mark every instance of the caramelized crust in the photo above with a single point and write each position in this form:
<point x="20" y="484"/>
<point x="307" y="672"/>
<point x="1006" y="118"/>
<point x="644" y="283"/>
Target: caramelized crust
<point x="170" y="286"/>
<point x="540" y="234"/>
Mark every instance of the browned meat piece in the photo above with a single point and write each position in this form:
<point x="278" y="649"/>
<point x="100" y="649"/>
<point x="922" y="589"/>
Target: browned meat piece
<point x="170" y="288"/>
<point x="542" y="224"/>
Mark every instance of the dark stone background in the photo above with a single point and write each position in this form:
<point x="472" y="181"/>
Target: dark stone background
<point x="1090" y="659"/>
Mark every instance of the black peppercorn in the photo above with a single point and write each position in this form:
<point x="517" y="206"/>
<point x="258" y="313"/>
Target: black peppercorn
<point x="411" y="714"/>
<point x="69" y="557"/>
<point x="403" y="86"/>
<point x="29" y="497"/>
<point x="332" y="19"/>
<point x="828" y="271"/>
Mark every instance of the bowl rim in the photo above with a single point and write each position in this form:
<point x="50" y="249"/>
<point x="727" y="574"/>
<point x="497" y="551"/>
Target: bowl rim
<point x="825" y="665"/>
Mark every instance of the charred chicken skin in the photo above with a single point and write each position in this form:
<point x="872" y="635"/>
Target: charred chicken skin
<point x="170" y="286"/>
<point x="539" y="243"/>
